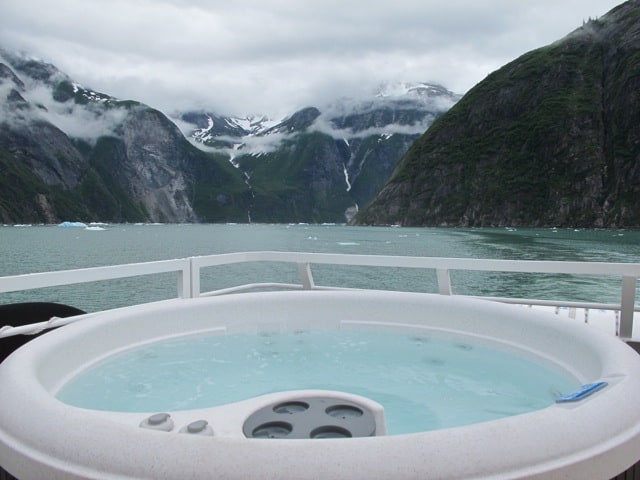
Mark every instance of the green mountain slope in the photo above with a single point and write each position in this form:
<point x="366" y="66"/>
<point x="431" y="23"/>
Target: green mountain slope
<point x="552" y="138"/>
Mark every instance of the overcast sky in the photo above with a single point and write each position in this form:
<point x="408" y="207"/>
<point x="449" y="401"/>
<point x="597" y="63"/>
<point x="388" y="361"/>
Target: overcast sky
<point x="275" y="56"/>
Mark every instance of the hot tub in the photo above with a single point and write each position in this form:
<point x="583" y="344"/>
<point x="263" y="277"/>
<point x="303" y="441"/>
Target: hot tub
<point x="597" y="436"/>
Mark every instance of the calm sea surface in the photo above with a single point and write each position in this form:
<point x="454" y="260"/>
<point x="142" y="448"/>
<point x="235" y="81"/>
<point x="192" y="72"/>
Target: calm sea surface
<point x="44" y="248"/>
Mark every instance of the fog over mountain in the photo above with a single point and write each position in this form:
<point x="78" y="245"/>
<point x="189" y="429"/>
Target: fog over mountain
<point x="87" y="120"/>
<point x="76" y="154"/>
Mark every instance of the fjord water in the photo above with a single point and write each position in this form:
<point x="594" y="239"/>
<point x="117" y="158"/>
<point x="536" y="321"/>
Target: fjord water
<point x="44" y="248"/>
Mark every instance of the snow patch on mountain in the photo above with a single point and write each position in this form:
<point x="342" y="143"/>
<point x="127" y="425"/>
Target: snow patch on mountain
<point x="231" y="136"/>
<point x="387" y="108"/>
<point x="90" y="95"/>
<point x="254" y="124"/>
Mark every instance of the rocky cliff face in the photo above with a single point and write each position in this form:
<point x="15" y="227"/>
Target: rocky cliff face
<point x="552" y="138"/>
<point x="153" y="168"/>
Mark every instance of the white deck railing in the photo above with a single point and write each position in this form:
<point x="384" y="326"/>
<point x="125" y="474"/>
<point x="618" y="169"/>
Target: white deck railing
<point x="188" y="272"/>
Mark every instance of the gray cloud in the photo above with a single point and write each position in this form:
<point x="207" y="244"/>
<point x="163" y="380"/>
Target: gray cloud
<point x="250" y="145"/>
<point x="78" y="121"/>
<point x="323" y="125"/>
<point x="274" y="56"/>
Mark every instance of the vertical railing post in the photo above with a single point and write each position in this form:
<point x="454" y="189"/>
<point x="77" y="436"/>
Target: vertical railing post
<point x="184" y="280"/>
<point x="627" y="306"/>
<point x="444" y="281"/>
<point x="306" y="277"/>
<point x="182" y="287"/>
<point x="194" y="275"/>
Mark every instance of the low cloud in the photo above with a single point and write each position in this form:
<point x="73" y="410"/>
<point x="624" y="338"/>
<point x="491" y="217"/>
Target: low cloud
<point x="273" y="57"/>
<point x="324" y="125"/>
<point x="86" y="122"/>
<point x="250" y="145"/>
<point x="257" y="144"/>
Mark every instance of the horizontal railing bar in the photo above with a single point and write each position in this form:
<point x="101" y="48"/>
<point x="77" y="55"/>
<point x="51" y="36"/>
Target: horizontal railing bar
<point x="514" y="266"/>
<point x="30" y="281"/>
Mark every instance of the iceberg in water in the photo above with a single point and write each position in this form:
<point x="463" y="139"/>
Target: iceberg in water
<point x="72" y="224"/>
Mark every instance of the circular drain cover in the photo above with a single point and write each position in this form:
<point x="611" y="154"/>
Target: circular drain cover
<point x="311" y="417"/>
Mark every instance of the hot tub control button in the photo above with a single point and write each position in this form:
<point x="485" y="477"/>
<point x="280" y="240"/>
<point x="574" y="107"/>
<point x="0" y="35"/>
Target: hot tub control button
<point x="199" y="427"/>
<point x="158" y="421"/>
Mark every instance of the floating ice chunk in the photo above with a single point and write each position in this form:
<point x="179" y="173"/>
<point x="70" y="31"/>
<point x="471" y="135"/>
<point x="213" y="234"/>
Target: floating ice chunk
<point x="72" y="224"/>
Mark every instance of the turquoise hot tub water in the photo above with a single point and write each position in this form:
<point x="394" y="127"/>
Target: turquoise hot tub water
<point x="424" y="382"/>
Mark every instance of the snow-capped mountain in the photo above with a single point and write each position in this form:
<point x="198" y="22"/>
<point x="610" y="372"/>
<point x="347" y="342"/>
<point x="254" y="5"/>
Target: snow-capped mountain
<point x="416" y="104"/>
<point x="339" y="154"/>
<point x="215" y="130"/>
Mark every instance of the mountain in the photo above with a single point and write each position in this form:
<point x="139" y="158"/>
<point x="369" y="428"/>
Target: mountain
<point x="320" y="163"/>
<point x="67" y="152"/>
<point x="70" y="153"/>
<point x="550" y="139"/>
